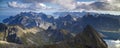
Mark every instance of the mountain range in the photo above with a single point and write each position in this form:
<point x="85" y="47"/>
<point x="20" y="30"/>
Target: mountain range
<point x="42" y="30"/>
<point x="102" y="22"/>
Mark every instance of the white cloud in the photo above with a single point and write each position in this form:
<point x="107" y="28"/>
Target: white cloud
<point x="84" y="5"/>
<point x="108" y="5"/>
<point x="113" y="43"/>
<point x="67" y="4"/>
<point x="112" y="2"/>
<point x="38" y="6"/>
<point x="35" y="1"/>
<point x="33" y="6"/>
<point x="15" y="4"/>
<point x="104" y="5"/>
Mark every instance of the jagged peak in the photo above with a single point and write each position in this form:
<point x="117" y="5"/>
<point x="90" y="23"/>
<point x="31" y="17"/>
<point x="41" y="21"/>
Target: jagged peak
<point x="88" y="27"/>
<point x="90" y="30"/>
<point x="90" y="37"/>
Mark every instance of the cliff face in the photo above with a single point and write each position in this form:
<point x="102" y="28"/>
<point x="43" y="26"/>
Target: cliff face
<point x="88" y="38"/>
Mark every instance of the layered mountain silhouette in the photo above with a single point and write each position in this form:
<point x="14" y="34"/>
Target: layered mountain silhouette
<point x="103" y="22"/>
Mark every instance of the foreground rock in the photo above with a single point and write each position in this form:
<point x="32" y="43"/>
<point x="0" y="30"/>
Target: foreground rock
<point x="89" y="38"/>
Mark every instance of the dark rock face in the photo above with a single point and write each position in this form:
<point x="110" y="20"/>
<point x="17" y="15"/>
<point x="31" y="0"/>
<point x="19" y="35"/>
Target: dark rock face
<point x="3" y="27"/>
<point x="12" y="36"/>
<point x="9" y="34"/>
<point x="89" y="38"/>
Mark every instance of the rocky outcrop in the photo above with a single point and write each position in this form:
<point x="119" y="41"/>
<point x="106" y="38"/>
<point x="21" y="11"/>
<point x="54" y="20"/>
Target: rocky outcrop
<point x="12" y="36"/>
<point x="9" y="33"/>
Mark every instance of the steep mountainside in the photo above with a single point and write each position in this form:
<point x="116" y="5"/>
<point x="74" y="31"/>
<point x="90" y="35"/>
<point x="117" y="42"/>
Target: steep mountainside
<point x="88" y="38"/>
<point x="35" y="36"/>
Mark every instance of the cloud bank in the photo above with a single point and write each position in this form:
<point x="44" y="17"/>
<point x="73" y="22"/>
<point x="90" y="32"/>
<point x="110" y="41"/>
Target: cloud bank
<point x="108" y="5"/>
<point x="113" y="43"/>
<point x="33" y="6"/>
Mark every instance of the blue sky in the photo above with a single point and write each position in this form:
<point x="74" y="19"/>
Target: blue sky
<point x="12" y="7"/>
